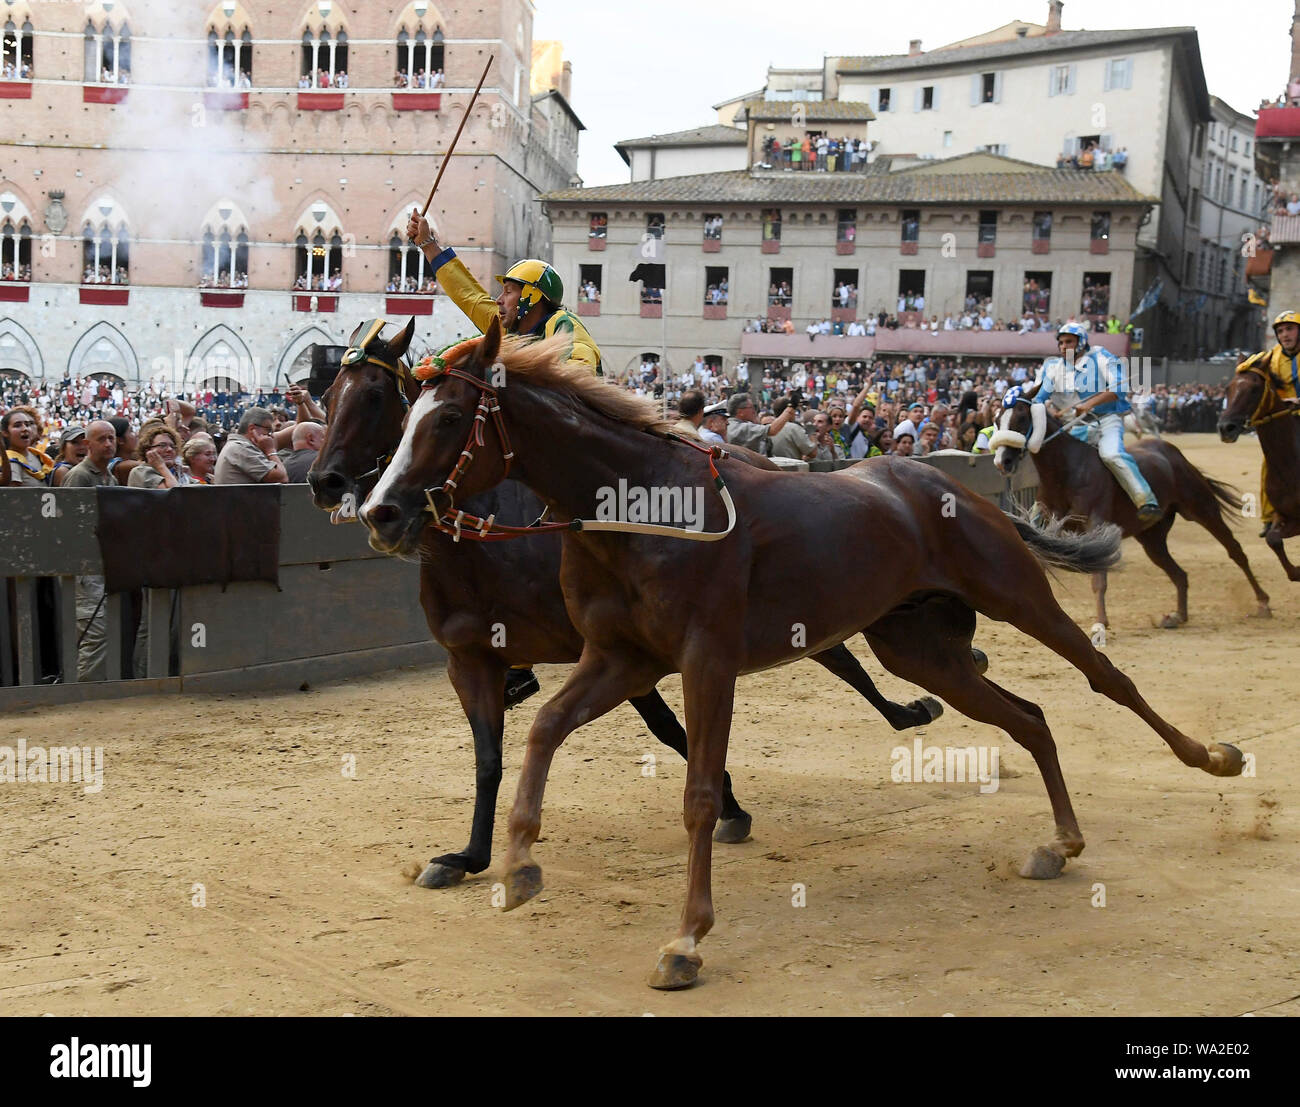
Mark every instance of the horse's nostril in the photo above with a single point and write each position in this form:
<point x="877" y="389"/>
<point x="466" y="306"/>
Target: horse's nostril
<point x="382" y="514"/>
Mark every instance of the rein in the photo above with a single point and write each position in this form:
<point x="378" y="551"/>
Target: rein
<point x="460" y="524"/>
<point x="1270" y="393"/>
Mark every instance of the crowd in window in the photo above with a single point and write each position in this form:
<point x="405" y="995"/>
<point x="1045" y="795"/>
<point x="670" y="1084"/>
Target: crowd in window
<point x="588" y="293"/>
<point x="14" y="71"/>
<point x="716" y="294"/>
<point x="319" y="282"/>
<point x="224" y="279"/>
<point x="245" y="81"/>
<point x="108" y="77"/>
<point x="105" y="274"/>
<point x="1093" y="156"/>
<point x="9" y="273"/>
<point x="815" y="152"/>
<point x="324" y="79"/>
<point x="412" y="285"/>
<point x="420" y="79"/>
<point x="779" y="294"/>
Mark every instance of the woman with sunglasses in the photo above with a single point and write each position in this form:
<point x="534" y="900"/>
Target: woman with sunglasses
<point x="161" y="467"/>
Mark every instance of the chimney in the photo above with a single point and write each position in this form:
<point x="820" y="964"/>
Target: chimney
<point x="914" y="46"/>
<point x="1295" y="43"/>
<point x="1054" y="16"/>
<point x="566" y="81"/>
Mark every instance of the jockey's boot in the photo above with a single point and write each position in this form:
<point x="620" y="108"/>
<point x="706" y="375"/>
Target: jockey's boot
<point x="520" y="684"/>
<point x="1150" y="512"/>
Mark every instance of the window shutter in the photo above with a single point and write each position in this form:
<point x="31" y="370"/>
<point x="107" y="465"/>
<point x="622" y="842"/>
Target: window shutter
<point x="916" y="98"/>
<point x="1051" y="80"/>
<point x="1069" y="80"/>
<point x="997" y="88"/>
<point x="1128" y="72"/>
<point x="1106" y="140"/>
<point x="974" y="88"/>
<point x="934" y="98"/>
<point x="1105" y="75"/>
<point x="875" y="101"/>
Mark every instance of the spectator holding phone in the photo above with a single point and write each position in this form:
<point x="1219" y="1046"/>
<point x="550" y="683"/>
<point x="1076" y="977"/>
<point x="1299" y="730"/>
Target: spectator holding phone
<point x="744" y="429"/>
<point x="249" y="456"/>
<point x="161" y="467"/>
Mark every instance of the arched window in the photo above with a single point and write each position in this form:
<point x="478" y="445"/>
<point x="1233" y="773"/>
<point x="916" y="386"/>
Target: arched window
<point x="318" y="257"/>
<point x="408" y="272"/>
<point x="324" y="48"/>
<point x="16" y="38"/>
<point x="224" y="263"/>
<point x="108" y="44"/>
<point x="106" y="244"/>
<point x="230" y="56"/>
<point x="15" y="239"/>
<point x="420" y="57"/>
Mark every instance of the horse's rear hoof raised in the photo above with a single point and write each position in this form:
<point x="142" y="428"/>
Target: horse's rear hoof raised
<point x="1225" y="760"/>
<point x="1042" y="864"/>
<point x="675" y="970"/>
<point x="733" y="831"/>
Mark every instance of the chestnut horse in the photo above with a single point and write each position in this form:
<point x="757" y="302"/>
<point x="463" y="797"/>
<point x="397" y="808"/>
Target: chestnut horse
<point x="1075" y="487"/>
<point x="470" y="591"/>
<point x="1253" y="403"/>
<point x="778" y="545"/>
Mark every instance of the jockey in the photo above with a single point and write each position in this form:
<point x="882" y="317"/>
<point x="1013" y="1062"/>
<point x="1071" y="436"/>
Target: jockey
<point x="1281" y="363"/>
<point x="530" y="305"/>
<point x="530" y="301"/>
<point x="1092" y="380"/>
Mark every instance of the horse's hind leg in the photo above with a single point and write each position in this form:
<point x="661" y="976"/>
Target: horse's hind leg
<point x="734" y="823"/>
<point x="840" y="661"/>
<point x="480" y="683"/>
<point x="1275" y="544"/>
<point x="1212" y="520"/>
<point x="941" y="662"/>
<point x="1155" y="541"/>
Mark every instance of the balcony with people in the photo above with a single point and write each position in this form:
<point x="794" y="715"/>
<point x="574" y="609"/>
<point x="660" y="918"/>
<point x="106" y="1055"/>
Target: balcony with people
<point x="17" y="39"/>
<point x="107" y="72"/>
<point x="421" y="59"/>
<point x="230" y="58"/>
<point x="15" y="249"/>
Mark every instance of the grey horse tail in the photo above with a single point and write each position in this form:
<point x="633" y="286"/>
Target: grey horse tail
<point x="1095" y="550"/>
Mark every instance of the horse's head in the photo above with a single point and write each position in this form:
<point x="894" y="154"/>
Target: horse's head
<point x="452" y="447"/>
<point x="1247" y="398"/>
<point x="1020" y="427"/>
<point x="365" y="406"/>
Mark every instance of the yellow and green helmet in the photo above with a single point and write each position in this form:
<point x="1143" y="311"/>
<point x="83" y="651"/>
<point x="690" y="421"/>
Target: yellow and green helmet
<point x="540" y="282"/>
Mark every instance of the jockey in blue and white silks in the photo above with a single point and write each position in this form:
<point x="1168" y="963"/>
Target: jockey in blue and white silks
<point x="1094" y="380"/>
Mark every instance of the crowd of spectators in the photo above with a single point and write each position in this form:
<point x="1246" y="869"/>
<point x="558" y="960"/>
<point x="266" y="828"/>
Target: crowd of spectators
<point x="105" y="274"/>
<point x="588" y="293"/>
<point x="107" y="77"/>
<point x="22" y="273"/>
<point x="815" y="152"/>
<point x="15" y="71"/>
<point x="419" y="79"/>
<point x="413" y="284"/>
<point x="975" y="316"/>
<point x="716" y="294"/>
<point x="224" y="279"/>
<point x="319" y="282"/>
<point x="226" y="79"/>
<point x="324" y="79"/>
<point x="1092" y="156"/>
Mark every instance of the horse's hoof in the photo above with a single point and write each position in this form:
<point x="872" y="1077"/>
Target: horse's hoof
<point x="1225" y="760"/>
<point x="734" y="830"/>
<point x="522" y="884"/>
<point x="1171" y="622"/>
<point x="1042" y="864"/>
<point x="437" y="875"/>
<point x="981" y="660"/>
<point x="1263" y="611"/>
<point x="675" y="970"/>
<point x="932" y="707"/>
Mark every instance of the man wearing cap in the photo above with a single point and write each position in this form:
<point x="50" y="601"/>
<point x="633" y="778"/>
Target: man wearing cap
<point x="1282" y="366"/>
<point x="530" y="304"/>
<point x="714" y="425"/>
<point x="72" y="451"/>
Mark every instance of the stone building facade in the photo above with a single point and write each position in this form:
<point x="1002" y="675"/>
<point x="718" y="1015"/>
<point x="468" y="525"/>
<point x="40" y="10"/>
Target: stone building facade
<point x="177" y="176"/>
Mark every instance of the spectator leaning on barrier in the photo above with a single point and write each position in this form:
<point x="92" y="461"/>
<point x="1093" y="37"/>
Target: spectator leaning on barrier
<point x="72" y="451"/>
<point x="28" y="465"/>
<point x="161" y="467"/>
<point x="92" y="620"/>
<point x="200" y="456"/>
<point x="308" y="438"/>
<point x="249" y="456"/>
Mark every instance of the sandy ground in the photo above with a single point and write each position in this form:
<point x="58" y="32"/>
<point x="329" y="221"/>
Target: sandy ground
<point x="912" y="902"/>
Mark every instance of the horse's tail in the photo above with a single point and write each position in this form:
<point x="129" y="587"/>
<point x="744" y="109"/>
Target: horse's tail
<point x="1227" y="497"/>
<point x="1091" y="551"/>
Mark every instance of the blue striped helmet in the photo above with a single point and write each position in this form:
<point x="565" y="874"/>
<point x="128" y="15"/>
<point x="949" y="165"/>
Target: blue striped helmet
<point x="1079" y="332"/>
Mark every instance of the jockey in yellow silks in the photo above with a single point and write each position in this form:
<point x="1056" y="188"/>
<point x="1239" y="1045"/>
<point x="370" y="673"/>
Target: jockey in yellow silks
<point x="530" y="305"/>
<point x="531" y="300"/>
<point x="1281" y="364"/>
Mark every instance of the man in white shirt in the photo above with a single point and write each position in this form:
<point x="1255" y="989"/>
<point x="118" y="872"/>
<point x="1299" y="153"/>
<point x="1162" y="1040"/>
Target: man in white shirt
<point x="825" y="327"/>
<point x="948" y="324"/>
<point x="986" y="322"/>
<point x="920" y="301"/>
<point x="813" y="329"/>
<point x="871" y="326"/>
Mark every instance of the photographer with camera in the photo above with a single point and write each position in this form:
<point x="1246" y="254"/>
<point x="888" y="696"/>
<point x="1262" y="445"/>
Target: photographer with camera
<point x="744" y="429"/>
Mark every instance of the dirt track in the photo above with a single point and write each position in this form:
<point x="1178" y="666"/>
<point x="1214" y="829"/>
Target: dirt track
<point x="913" y="906"/>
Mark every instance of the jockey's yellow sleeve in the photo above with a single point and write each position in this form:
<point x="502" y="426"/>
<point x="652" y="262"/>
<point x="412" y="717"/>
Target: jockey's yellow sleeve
<point x="468" y="295"/>
<point x="1285" y="372"/>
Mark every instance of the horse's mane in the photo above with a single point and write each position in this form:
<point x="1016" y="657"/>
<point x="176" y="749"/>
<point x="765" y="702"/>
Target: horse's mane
<point x="544" y="364"/>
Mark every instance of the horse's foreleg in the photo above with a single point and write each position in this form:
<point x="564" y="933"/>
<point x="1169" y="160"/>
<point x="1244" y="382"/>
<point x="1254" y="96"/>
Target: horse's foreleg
<point x="1099" y="597"/>
<point x="709" y="687"/>
<point x="840" y="661"/>
<point x="1274" y="539"/>
<point x="597" y="684"/>
<point x="735" y="823"/>
<point x="1155" y="541"/>
<point x="1213" y="522"/>
<point x="480" y="685"/>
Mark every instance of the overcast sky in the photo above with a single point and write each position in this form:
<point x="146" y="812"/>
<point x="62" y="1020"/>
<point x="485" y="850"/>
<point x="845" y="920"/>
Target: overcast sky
<point x="648" y="68"/>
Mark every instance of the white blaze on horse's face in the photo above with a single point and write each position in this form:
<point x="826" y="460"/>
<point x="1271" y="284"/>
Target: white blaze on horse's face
<point x="424" y="409"/>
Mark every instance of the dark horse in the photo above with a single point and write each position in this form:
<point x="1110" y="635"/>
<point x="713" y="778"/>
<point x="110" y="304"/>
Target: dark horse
<point x="648" y="606"/>
<point x="1253" y="402"/>
<point x="493" y="605"/>
<point x="1075" y="486"/>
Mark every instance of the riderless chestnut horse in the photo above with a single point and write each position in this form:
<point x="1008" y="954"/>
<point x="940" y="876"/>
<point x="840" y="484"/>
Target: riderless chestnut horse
<point x="715" y="603"/>
<point x="1253" y="403"/>
<point x="470" y="590"/>
<point x="1077" y="488"/>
